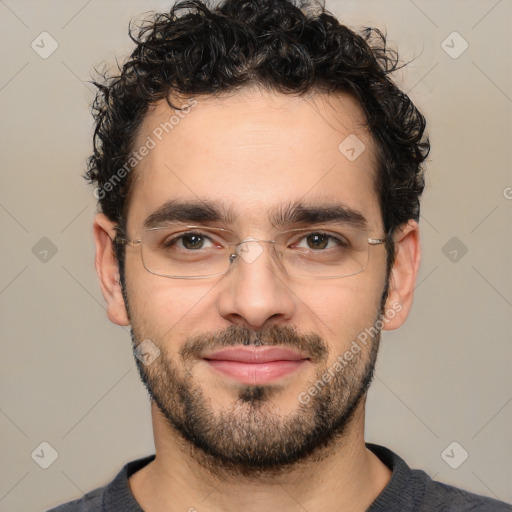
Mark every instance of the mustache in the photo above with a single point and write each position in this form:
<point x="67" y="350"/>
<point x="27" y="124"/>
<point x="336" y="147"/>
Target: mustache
<point x="274" y="335"/>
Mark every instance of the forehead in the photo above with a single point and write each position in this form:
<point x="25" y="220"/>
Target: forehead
<point x="255" y="151"/>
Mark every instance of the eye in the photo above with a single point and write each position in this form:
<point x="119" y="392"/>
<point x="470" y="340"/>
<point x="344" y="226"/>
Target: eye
<point x="319" y="241"/>
<point x="189" y="241"/>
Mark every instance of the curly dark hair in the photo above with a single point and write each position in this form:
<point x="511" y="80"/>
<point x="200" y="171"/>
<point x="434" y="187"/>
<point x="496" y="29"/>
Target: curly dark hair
<point x="278" y="45"/>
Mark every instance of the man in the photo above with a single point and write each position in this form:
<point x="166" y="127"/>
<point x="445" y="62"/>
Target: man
<point x="259" y="176"/>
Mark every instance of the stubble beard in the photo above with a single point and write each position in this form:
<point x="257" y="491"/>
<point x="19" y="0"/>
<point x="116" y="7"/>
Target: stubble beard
<point x="252" y="437"/>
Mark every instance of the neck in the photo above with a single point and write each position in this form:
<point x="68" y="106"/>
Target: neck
<point x="345" y="476"/>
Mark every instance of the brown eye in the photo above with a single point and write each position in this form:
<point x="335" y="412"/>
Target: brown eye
<point x="192" y="241"/>
<point x="187" y="241"/>
<point x="317" y="241"/>
<point x="322" y="242"/>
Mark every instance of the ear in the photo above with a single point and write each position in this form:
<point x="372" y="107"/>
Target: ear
<point x="403" y="275"/>
<point x="108" y="269"/>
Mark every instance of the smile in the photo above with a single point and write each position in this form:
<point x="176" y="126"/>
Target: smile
<point x="257" y="365"/>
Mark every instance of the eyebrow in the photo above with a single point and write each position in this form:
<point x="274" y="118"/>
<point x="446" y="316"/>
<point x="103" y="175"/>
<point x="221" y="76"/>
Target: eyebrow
<point x="300" y="213"/>
<point x="281" y="216"/>
<point x="186" y="211"/>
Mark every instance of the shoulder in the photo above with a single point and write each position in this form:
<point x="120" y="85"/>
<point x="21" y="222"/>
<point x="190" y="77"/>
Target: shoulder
<point x="445" y="497"/>
<point x="89" y="502"/>
<point x="115" y="496"/>
<point x="414" y="490"/>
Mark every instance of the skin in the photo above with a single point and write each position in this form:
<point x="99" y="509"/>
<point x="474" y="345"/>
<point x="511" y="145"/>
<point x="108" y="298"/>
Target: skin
<point x="255" y="150"/>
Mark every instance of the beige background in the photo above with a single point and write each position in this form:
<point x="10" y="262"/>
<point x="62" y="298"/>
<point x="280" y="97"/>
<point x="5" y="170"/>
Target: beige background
<point x="68" y="376"/>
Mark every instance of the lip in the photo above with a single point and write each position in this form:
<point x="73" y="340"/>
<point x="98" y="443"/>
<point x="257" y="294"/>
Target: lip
<point x="255" y="355"/>
<point x="256" y="365"/>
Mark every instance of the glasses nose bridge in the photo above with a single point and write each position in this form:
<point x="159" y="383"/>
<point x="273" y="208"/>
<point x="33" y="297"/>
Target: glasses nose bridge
<point x="250" y="249"/>
<point x="252" y="239"/>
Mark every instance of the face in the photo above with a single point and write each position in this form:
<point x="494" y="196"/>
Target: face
<point x="256" y="159"/>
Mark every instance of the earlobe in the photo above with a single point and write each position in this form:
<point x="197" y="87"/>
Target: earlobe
<point x="108" y="270"/>
<point x="403" y="275"/>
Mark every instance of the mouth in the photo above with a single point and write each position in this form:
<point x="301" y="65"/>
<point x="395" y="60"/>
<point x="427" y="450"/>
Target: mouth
<point x="256" y="365"/>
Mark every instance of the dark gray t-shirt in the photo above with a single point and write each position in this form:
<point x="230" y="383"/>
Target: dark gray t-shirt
<point x="408" y="490"/>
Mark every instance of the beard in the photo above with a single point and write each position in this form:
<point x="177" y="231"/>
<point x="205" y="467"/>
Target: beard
<point x="252" y="437"/>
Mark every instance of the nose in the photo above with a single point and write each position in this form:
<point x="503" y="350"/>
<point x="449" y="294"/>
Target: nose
<point x="255" y="290"/>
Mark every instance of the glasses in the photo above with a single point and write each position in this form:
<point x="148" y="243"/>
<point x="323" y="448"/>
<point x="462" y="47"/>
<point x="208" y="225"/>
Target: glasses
<point x="198" y="252"/>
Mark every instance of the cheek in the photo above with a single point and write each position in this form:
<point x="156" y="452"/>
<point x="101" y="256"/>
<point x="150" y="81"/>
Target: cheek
<point x="164" y="309"/>
<point x="341" y="311"/>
